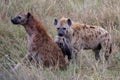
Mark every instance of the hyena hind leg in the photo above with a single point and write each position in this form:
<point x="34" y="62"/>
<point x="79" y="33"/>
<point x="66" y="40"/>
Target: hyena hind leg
<point x="108" y="52"/>
<point x="107" y="48"/>
<point x="97" y="55"/>
<point x="97" y="52"/>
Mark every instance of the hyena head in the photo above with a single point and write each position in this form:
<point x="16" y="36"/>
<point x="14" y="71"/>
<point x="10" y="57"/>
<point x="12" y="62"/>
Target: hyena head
<point x="59" y="40"/>
<point x="21" y="18"/>
<point x="62" y="26"/>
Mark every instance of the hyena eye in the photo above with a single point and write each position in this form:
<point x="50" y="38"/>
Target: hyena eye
<point x="58" y="28"/>
<point x="64" y="28"/>
<point x="19" y="17"/>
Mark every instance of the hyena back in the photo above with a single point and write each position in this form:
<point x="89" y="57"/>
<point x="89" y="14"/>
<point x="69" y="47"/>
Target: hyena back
<point x="82" y="36"/>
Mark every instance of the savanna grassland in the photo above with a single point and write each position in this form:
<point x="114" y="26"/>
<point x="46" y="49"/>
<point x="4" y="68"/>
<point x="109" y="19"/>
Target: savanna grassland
<point x="104" y="13"/>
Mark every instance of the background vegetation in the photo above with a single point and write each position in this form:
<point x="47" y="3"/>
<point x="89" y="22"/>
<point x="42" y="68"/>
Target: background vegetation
<point x="104" y="13"/>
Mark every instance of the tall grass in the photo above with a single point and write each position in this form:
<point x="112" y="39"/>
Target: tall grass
<point x="104" y="13"/>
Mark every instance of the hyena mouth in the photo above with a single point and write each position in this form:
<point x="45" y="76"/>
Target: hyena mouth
<point x="61" y="35"/>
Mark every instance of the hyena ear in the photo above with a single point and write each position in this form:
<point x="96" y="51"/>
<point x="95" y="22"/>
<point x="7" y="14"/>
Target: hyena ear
<point x="55" y="21"/>
<point x="69" y="22"/>
<point x="28" y="14"/>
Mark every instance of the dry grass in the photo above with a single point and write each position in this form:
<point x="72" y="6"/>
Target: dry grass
<point x="105" y="13"/>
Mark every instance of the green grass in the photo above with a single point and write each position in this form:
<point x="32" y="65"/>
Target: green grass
<point x="104" y="13"/>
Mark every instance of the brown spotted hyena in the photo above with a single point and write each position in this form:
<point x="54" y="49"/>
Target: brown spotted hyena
<point x="41" y="47"/>
<point x="82" y="36"/>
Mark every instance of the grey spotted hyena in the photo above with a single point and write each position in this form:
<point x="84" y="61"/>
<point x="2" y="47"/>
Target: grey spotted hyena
<point x="82" y="36"/>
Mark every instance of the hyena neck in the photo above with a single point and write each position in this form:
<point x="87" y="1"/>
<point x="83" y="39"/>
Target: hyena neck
<point x="34" y="26"/>
<point x="69" y="34"/>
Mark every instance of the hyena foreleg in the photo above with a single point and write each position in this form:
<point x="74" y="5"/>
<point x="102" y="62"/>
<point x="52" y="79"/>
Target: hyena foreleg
<point x="97" y="55"/>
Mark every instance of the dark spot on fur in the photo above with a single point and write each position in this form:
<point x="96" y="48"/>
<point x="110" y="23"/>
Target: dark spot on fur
<point x="96" y="36"/>
<point x="82" y="38"/>
<point x="92" y="27"/>
<point x="86" y="38"/>
<point x="104" y="43"/>
<point x="102" y="36"/>
<point x="99" y="33"/>
<point x="110" y="49"/>
<point x="84" y="25"/>
<point x="90" y="36"/>
<point x="73" y="34"/>
<point x="106" y="34"/>
<point x="106" y="51"/>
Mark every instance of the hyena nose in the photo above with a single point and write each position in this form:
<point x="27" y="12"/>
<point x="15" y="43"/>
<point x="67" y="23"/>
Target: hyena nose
<point x="60" y="44"/>
<point x="60" y="34"/>
<point x="12" y="20"/>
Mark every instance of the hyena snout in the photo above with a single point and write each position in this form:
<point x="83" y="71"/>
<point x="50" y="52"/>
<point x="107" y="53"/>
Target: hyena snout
<point x="14" y="21"/>
<point x="60" y="33"/>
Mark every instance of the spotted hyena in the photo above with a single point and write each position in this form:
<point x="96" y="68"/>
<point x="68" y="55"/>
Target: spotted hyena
<point x="41" y="47"/>
<point x="61" y="41"/>
<point x="82" y="36"/>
